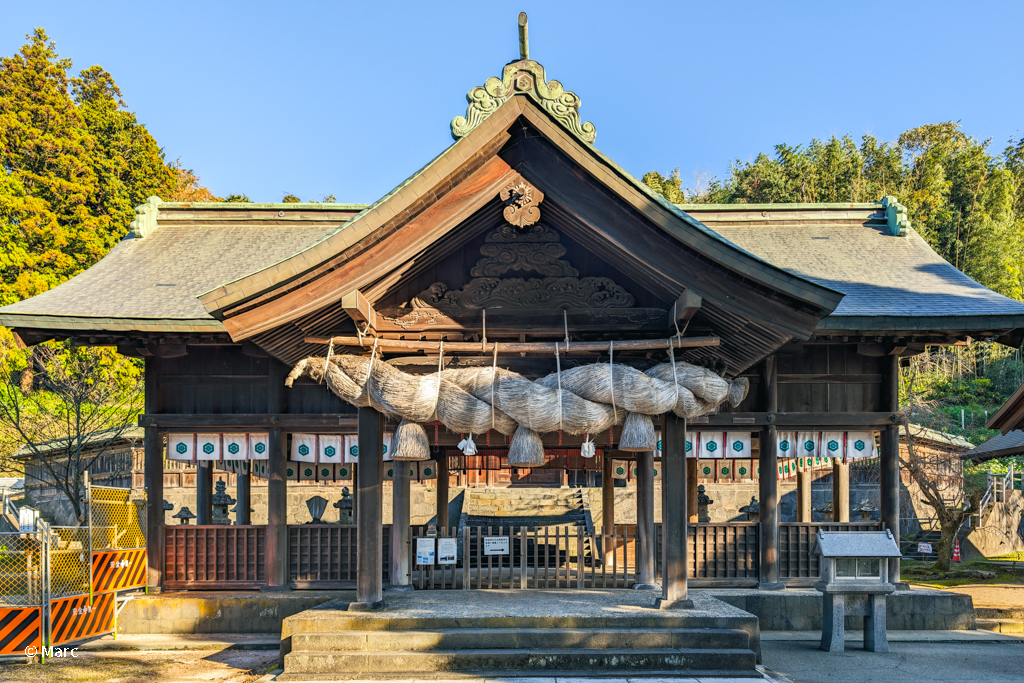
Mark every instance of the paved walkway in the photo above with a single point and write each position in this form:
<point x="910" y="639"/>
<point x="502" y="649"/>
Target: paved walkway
<point x="951" y="662"/>
<point x="789" y="657"/>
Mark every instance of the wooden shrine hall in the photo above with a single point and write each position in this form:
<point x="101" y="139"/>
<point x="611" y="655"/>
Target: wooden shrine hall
<point x="523" y="292"/>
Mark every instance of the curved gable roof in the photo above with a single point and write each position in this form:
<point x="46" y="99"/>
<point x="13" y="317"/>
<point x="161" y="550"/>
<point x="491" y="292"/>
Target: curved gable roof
<point x="293" y="282"/>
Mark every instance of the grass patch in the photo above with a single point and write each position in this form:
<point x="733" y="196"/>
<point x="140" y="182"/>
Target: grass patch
<point x="975" y="572"/>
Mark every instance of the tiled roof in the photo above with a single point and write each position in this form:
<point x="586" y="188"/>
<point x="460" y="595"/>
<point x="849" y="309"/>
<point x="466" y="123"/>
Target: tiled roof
<point x="152" y="282"/>
<point x="1000" y="446"/>
<point x="890" y="282"/>
<point x="934" y="435"/>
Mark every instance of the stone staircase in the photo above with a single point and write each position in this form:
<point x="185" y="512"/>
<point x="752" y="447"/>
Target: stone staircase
<point x="524" y="507"/>
<point x="321" y="644"/>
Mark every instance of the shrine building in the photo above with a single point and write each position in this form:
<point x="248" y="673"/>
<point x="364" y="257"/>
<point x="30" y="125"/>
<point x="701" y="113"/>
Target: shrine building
<point x="520" y="313"/>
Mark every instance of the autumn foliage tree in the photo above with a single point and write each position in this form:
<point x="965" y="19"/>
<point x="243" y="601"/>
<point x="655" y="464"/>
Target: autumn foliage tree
<point x="75" y="163"/>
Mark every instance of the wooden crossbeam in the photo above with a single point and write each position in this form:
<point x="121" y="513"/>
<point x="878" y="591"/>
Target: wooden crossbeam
<point x="687" y="305"/>
<point x="359" y="309"/>
<point x="385" y="345"/>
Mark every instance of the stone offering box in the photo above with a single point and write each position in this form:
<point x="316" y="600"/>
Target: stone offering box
<point x="854" y="581"/>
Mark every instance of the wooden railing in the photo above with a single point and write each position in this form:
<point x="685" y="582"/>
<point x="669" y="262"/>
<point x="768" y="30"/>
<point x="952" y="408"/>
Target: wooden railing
<point x="324" y="555"/>
<point x="723" y="554"/>
<point x="214" y="557"/>
<point x="797" y="564"/>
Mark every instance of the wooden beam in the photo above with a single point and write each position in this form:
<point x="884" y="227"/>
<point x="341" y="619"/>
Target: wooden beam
<point x="240" y="422"/>
<point x="788" y="419"/>
<point x="359" y="309"/>
<point x="385" y="345"/>
<point x="537" y="321"/>
<point x="687" y="305"/>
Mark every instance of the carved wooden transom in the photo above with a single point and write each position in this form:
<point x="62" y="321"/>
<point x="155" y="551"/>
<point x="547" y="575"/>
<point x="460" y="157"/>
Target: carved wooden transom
<point x="536" y="249"/>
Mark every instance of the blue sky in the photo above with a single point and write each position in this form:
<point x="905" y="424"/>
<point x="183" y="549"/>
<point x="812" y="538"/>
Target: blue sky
<point x="265" y="98"/>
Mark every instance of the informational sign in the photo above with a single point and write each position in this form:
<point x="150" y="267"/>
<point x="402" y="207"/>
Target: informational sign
<point x="924" y="548"/>
<point x="495" y="545"/>
<point x="425" y="551"/>
<point x="447" y="549"/>
<point x="26" y="520"/>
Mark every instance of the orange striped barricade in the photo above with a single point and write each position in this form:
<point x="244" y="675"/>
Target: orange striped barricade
<point x="118" y="570"/>
<point x="22" y="567"/>
<point x="74" y="618"/>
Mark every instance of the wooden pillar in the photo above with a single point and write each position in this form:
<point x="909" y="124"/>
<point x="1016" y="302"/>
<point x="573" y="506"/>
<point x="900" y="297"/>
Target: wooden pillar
<point x="803" y="495"/>
<point x="369" y="518"/>
<point x="443" y="480"/>
<point x="277" y="485"/>
<point x="673" y="514"/>
<point x="645" y="522"/>
<point x="608" y="510"/>
<point x="400" y="520"/>
<point x="204" y="492"/>
<point x="691" y="489"/>
<point x="154" y="475"/>
<point x="889" y="459"/>
<point x="768" y="482"/>
<point x="840" y="491"/>
<point x="243" y="496"/>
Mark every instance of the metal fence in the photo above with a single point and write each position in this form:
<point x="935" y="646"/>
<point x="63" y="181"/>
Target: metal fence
<point x="22" y="591"/>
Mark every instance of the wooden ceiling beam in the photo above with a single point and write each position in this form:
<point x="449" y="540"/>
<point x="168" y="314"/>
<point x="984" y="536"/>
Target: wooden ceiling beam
<point x="359" y="309"/>
<point x="385" y="345"/>
<point x="687" y="305"/>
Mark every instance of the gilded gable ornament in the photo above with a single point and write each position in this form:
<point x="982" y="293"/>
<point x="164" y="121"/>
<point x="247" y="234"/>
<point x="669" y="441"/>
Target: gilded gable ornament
<point x="521" y="200"/>
<point x="524" y="76"/>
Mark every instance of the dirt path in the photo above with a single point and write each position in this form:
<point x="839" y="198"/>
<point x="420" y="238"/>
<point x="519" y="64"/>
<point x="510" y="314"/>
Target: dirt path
<point x="225" y="666"/>
<point x="996" y="596"/>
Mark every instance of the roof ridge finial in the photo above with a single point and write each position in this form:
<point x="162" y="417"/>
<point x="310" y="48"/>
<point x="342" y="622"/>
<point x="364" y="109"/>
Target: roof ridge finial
<point x="524" y="38"/>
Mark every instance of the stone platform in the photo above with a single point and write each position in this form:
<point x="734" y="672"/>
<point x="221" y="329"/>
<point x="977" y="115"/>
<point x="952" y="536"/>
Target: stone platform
<point x="524" y="633"/>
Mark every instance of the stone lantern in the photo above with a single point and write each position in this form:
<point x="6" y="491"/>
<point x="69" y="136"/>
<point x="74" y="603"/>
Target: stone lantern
<point x="826" y="511"/>
<point x="854" y="582"/>
<point x="221" y="501"/>
<point x="344" y="507"/>
<point x="753" y="510"/>
<point x="702" y="505"/>
<point x="865" y="508"/>
<point x="184" y="514"/>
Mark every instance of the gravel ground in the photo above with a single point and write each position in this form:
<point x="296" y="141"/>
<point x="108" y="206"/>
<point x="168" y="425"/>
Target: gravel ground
<point x="998" y="596"/>
<point x="225" y="666"/>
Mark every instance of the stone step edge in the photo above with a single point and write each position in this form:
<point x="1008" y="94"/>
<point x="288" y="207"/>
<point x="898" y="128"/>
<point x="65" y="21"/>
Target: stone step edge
<point x="297" y="662"/>
<point x="1001" y="625"/>
<point x="547" y="675"/>
<point x="299" y="639"/>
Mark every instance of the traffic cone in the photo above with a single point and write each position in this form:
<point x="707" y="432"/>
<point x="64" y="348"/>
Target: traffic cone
<point x="956" y="551"/>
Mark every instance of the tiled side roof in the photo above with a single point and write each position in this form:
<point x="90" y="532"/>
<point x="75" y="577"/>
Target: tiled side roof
<point x="1000" y="446"/>
<point x="153" y="282"/>
<point x="888" y="280"/>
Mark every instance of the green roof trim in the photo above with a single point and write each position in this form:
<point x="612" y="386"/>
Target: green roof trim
<point x="778" y="207"/>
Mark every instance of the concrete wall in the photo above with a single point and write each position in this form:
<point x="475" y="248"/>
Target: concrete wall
<point x="223" y="612"/>
<point x="1001" y="530"/>
<point x="800" y="610"/>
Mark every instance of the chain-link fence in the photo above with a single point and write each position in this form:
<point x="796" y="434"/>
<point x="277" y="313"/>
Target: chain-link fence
<point x="122" y="512"/>
<point x="69" y="561"/>
<point x="22" y="565"/>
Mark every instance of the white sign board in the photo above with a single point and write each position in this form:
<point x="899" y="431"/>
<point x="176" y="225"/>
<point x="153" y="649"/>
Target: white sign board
<point x="26" y="520"/>
<point x="924" y="548"/>
<point x="495" y="545"/>
<point x="425" y="551"/>
<point x="447" y="549"/>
